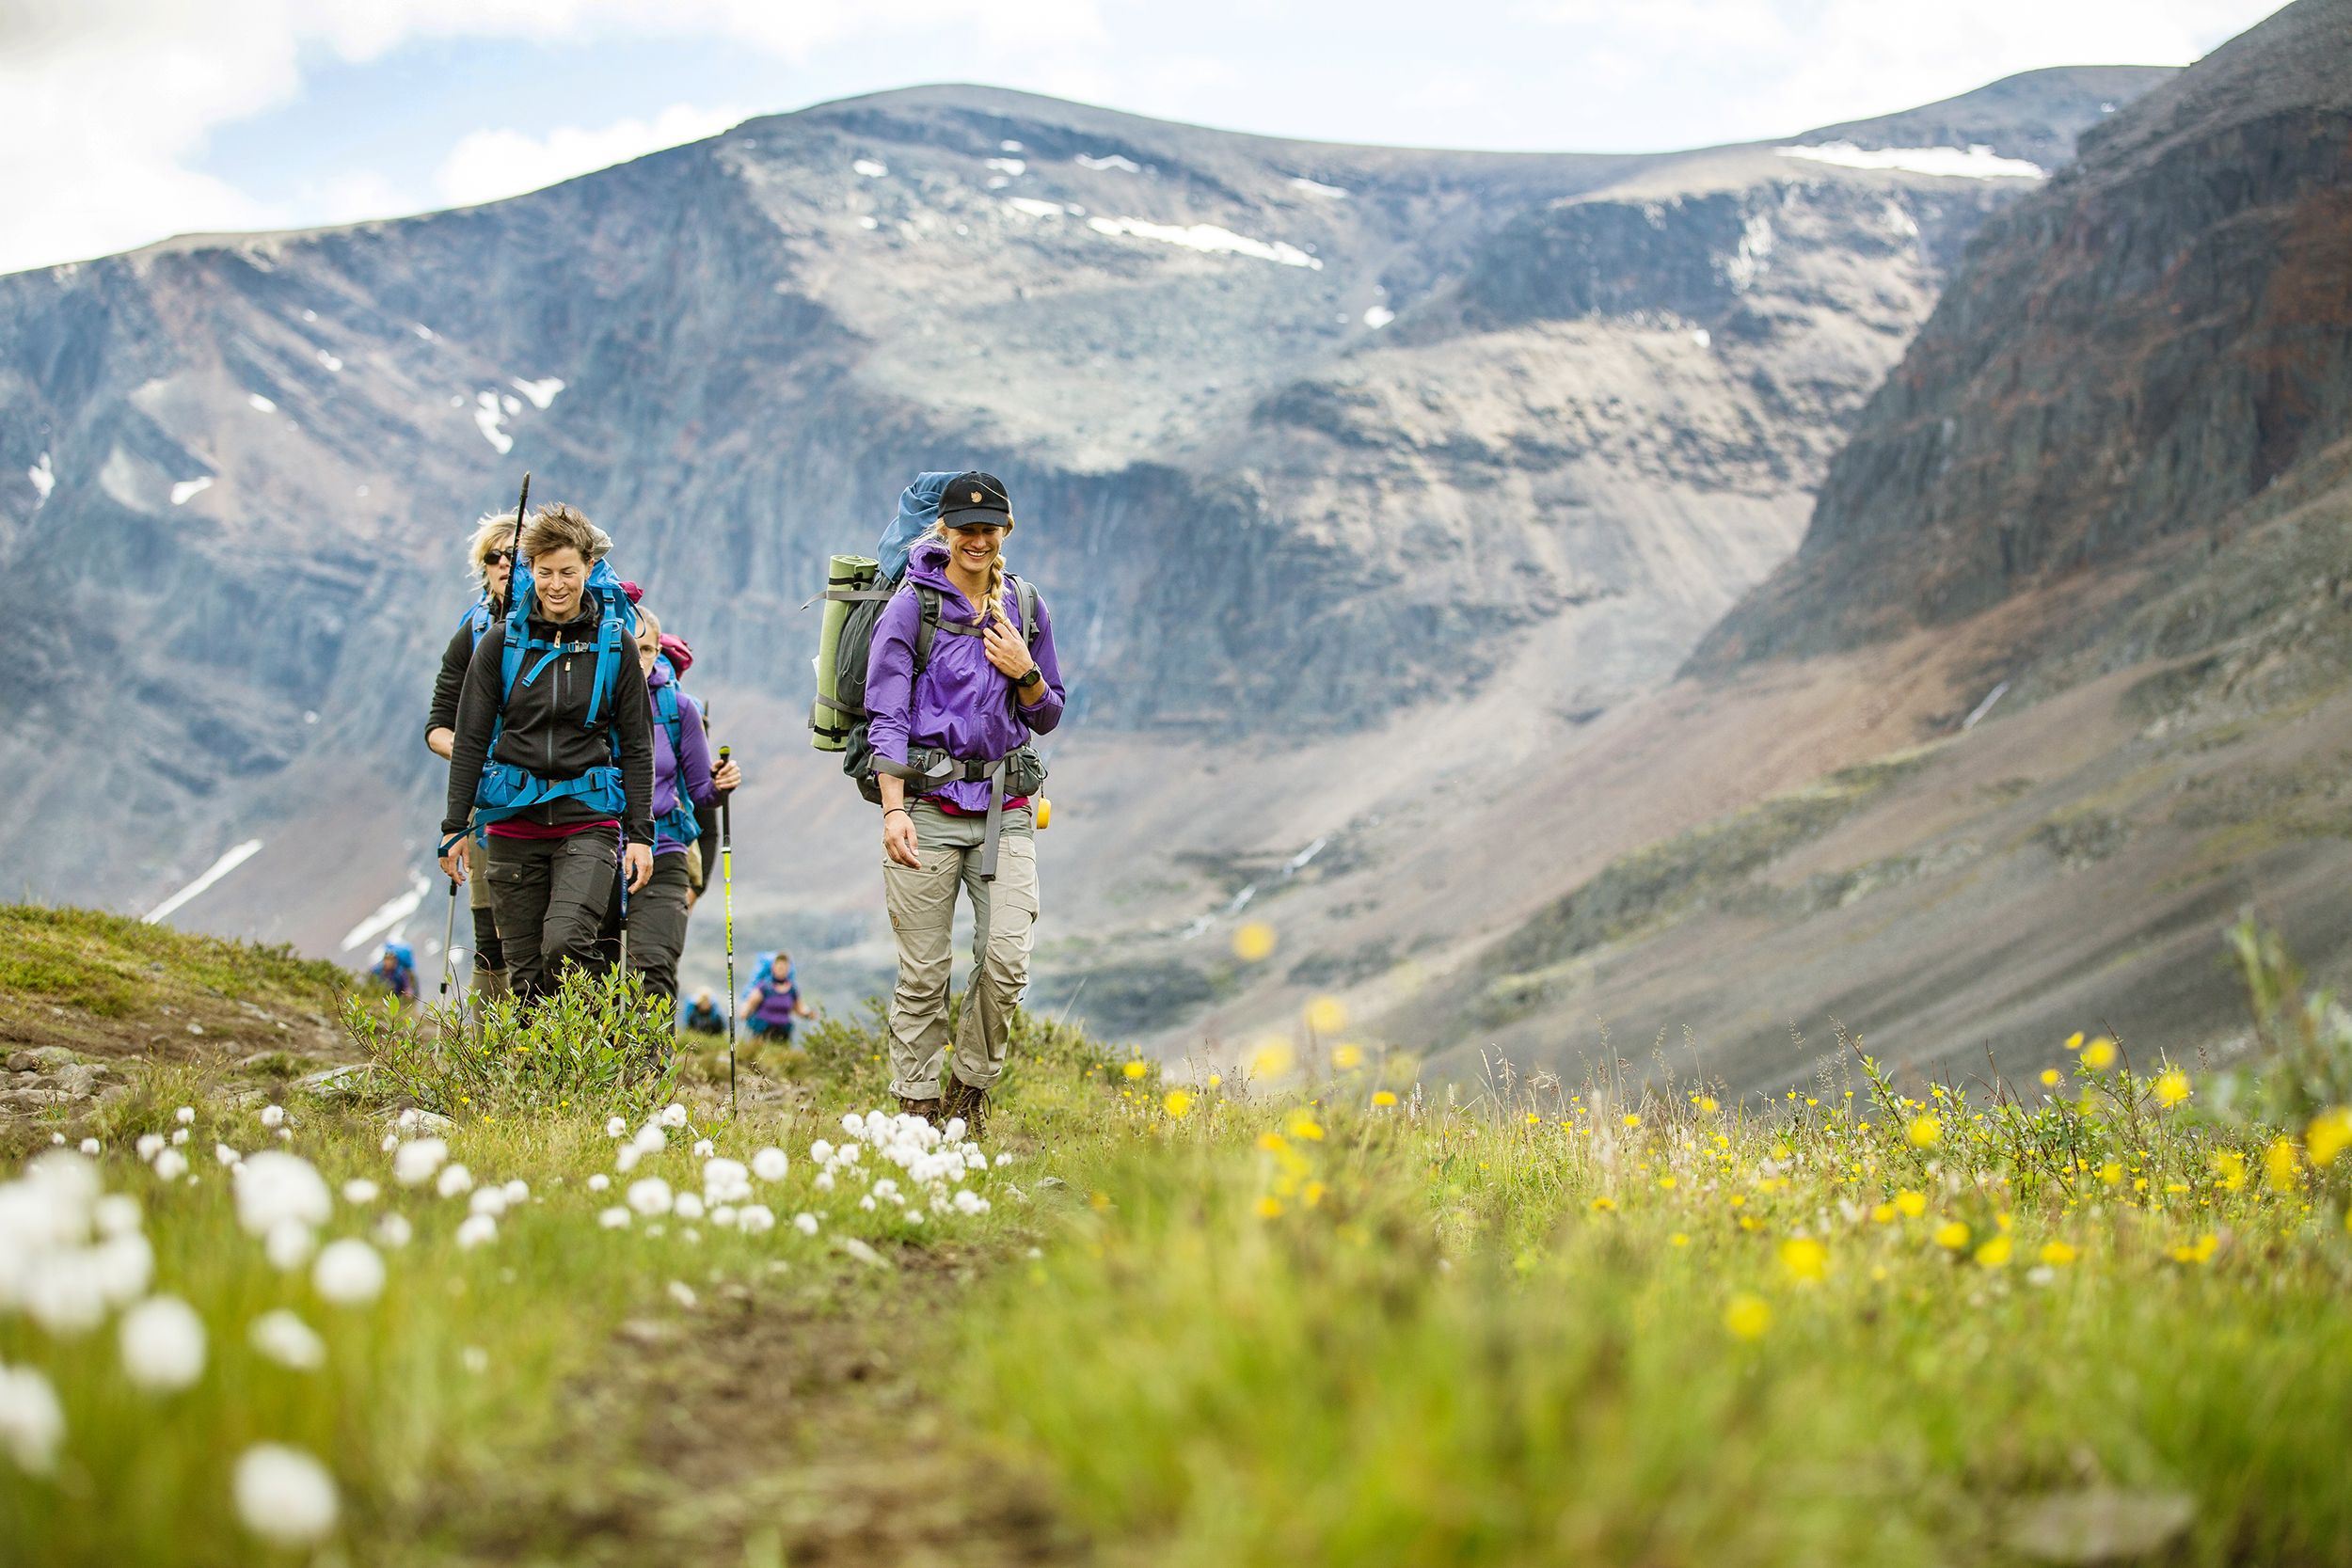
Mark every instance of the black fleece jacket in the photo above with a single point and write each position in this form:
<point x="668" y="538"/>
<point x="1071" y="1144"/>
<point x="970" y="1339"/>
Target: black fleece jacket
<point x="449" y="682"/>
<point x="544" y="733"/>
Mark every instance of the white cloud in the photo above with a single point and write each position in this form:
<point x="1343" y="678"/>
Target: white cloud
<point x="490" y="164"/>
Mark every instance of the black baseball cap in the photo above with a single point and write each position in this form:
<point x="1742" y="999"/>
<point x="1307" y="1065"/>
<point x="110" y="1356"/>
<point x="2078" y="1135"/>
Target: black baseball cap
<point x="973" y="498"/>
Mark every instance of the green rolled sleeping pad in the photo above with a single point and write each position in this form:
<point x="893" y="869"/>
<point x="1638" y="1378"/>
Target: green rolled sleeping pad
<point x="828" y="724"/>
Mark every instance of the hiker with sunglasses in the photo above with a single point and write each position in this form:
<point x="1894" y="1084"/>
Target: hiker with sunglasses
<point x="962" y="674"/>
<point x="491" y="563"/>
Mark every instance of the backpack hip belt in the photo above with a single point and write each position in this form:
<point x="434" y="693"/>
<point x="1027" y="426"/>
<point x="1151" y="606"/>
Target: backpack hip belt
<point x="1021" y="761"/>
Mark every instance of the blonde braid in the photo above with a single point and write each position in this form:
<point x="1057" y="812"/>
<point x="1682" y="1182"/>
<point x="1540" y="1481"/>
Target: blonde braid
<point x="994" y="607"/>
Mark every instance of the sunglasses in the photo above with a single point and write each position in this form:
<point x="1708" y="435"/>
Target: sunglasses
<point x="497" y="557"/>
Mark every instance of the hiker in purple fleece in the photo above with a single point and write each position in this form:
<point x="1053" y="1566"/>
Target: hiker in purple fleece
<point x="684" y="786"/>
<point x="984" y="691"/>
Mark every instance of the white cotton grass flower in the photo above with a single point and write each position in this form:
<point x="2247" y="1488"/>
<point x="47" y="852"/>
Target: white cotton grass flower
<point x="150" y="1144"/>
<point x="673" y="1115"/>
<point x="227" y="1156"/>
<point x="162" y="1344"/>
<point x="273" y="1116"/>
<point x="349" y="1272"/>
<point x="184" y="1114"/>
<point x="805" y="1223"/>
<point x="682" y="1293"/>
<point x="825" y="1181"/>
<point x="518" y="1190"/>
<point x="288" y="1340"/>
<point x="32" y="1422"/>
<point x="614" y="1218"/>
<point x="488" y="1200"/>
<point x="91" y="1147"/>
<point x="726" y="1181"/>
<point x="724" y="1215"/>
<point x="415" y="1162"/>
<point x="179" y="1138"/>
<point x="391" y="1142"/>
<point x="477" y="1360"/>
<point x="616" y="1128"/>
<point x="685" y="1205"/>
<point x="771" y="1163"/>
<point x="854" y="1124"/>
<point x="394" y="1230"/>
<point x="754" y="1219"/>
<point x="284" y="1495"/>
<point x="650" y="1196"/>
<point x="650" y="1139"/>
<point x="452" y="1181"/>
<point x="867" y="1203"/>
<point x="821" y="1151"/>
<point x="625" y="1159"/>
<point x="361" y="1191"/>
<point x="275" y="1187"/>
<point x="478" y="1230"/>
<point x="703" y="1148"/>
<point x="969" y="1202"/>
<point x="170" y="1166"/>
<point x="288" y="1245"/>
<point x="599" y="1183"/>
<point x="1004" y="1159"/>
<point x="115" y="1214"/>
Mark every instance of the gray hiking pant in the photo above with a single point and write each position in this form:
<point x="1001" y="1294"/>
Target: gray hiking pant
<point x="922" y="917"/>
<point x="549" y="895"/>
<point x="656" y="925"/>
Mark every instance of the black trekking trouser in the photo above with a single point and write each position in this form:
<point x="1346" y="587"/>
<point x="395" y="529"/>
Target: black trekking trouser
<point x="490" y="954"/>
<point x="656" y="925"/>
<point x="549" y="897"/>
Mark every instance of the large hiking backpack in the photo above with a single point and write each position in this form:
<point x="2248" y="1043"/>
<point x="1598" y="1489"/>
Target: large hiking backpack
<point x="508" y="791"/>
<point x="857" y="587"/>
<point x="680" y="824"/>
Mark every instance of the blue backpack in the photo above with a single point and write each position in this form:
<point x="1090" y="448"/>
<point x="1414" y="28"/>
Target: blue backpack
<point x="402" y="955"/>
<point x="477" y="615"/>
<point x="508" y="791"/>
<point x="680" y="825"/>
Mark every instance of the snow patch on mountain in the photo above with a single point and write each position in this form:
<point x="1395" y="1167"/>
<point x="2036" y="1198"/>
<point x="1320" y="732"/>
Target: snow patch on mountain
<point x="1207" y="238"/>
<point x="541" y="393"/>
<point x="261" y="403"/>
<point x="1977" y="162"/>
<point x="1114" y="161"/>
<point x="387" y="914"/>
<point x="44" y="478"/>
<point x="487" y="417"/>
<point x="1316" y="187"/>
<point x="211" y="874"/>
<point x="872" y="168"/>
<point x="187" y="489"/>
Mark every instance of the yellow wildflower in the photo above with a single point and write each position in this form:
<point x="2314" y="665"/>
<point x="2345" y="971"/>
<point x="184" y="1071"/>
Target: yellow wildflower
<point x="1677" y="1239"/>
<point x="2329" y="1136"/>
<point x="1951" y="1236"/>
<point x="1176" y="1102"/>
<point x="1882" y="1214"/>
<point x="1313" y="1194"/>
<point x="1134" y="1070"/>
<point x="1667" y="1181"/>
<point x="1383" y="1097"/>
<point x="2198" y="1251"/>
<point x="1534" y="1119"/>
<point x="2229" y="1167"/>
<point x="1632" y="1119"/>
<point x="1925" y="1131"/>
<point x="1301" y="1125"/>
<point x="1995" y="1253"/>
<point x="1273" y="1059"/>
<point x="1912" y="1203"/>
<point x="2111" y="1173"/>
<point x="2099" y="1055"/>
<point x="1347" y="1058"/>
<point x="1604" y="1205"/>
<point x="1269" y="1208"/>
<point x="1706" y="1104"/>
<point x="1805" y="1259"/>
<point x="2056" y="1254"/>
<point x="2172" y="1087"/>
<point x="2074" y="1040"/>
<point x="2049" y="1077"/>
<point x="1747" y="1317"/>
<point x="1273" y="1143"/>
<point x="1254" y="942"/>
<point x="1326" y="1016"/>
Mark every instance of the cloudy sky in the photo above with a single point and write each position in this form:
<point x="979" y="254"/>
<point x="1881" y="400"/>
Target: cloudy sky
<point x="123" y="121"/>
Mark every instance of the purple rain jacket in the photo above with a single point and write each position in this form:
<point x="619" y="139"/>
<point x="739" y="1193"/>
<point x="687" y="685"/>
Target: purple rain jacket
<point x="699" y="790"/>
<point x="964" y="704"/>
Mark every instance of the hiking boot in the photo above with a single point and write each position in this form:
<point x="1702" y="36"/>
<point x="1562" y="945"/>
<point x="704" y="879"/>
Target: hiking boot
<point x="964" y="1100"/>
<point x="929" y="1109"/>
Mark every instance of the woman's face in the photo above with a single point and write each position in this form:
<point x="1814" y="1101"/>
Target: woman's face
<point x="974" y="550"/>
<point x="497" y="567"/>
<point x="557" y="578"/>
<point x="648" y="646"/>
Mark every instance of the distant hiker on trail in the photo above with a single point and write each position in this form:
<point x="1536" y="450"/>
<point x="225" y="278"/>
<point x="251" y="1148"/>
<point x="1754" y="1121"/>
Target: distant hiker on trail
<point x="685" y="790"/>
<point x="960" y="675"/>
<point x="396" y="970"/>
<point x="554" y="752"/>
<point x="492" y="559"/>
<point x="703" y="1017"/>
<point x="773" y="1003"/>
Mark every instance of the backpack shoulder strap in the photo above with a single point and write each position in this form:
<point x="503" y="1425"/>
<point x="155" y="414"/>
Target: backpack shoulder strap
<point x="1025" y="591"/>
<point x="927" y="628"/>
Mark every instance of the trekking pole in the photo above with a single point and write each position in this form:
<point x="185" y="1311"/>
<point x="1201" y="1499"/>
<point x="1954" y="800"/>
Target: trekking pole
<point x="514" y="555"/>
<point x="449" y="934"/>
<point x="726" y="887"/>
<point x="624" y="869"/>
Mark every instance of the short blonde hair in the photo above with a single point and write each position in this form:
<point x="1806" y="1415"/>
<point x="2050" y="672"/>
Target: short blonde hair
<point x="561" y="527"/>
<point x="495" y="531"/>
<point x="648" y="621"/>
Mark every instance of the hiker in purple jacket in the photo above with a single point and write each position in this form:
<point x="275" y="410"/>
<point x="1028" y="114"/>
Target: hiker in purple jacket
<point x="774" y="1004"/>
<point x="684" y="786"/>
<point x="956" y="772"/>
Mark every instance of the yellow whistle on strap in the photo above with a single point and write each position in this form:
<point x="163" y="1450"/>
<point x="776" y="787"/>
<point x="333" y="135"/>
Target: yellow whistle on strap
<point x="1044" y="811"/>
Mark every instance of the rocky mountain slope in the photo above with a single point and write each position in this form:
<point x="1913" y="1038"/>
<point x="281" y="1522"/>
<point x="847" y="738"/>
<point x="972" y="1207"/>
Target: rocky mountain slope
<point x="1322" y="453"/>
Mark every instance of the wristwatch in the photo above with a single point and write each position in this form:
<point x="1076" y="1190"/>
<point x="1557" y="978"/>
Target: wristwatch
<point x="1036" y="673"/>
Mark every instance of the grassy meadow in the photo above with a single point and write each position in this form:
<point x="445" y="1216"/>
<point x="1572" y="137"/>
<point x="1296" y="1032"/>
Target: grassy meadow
<point x="2102" y="1316"/>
